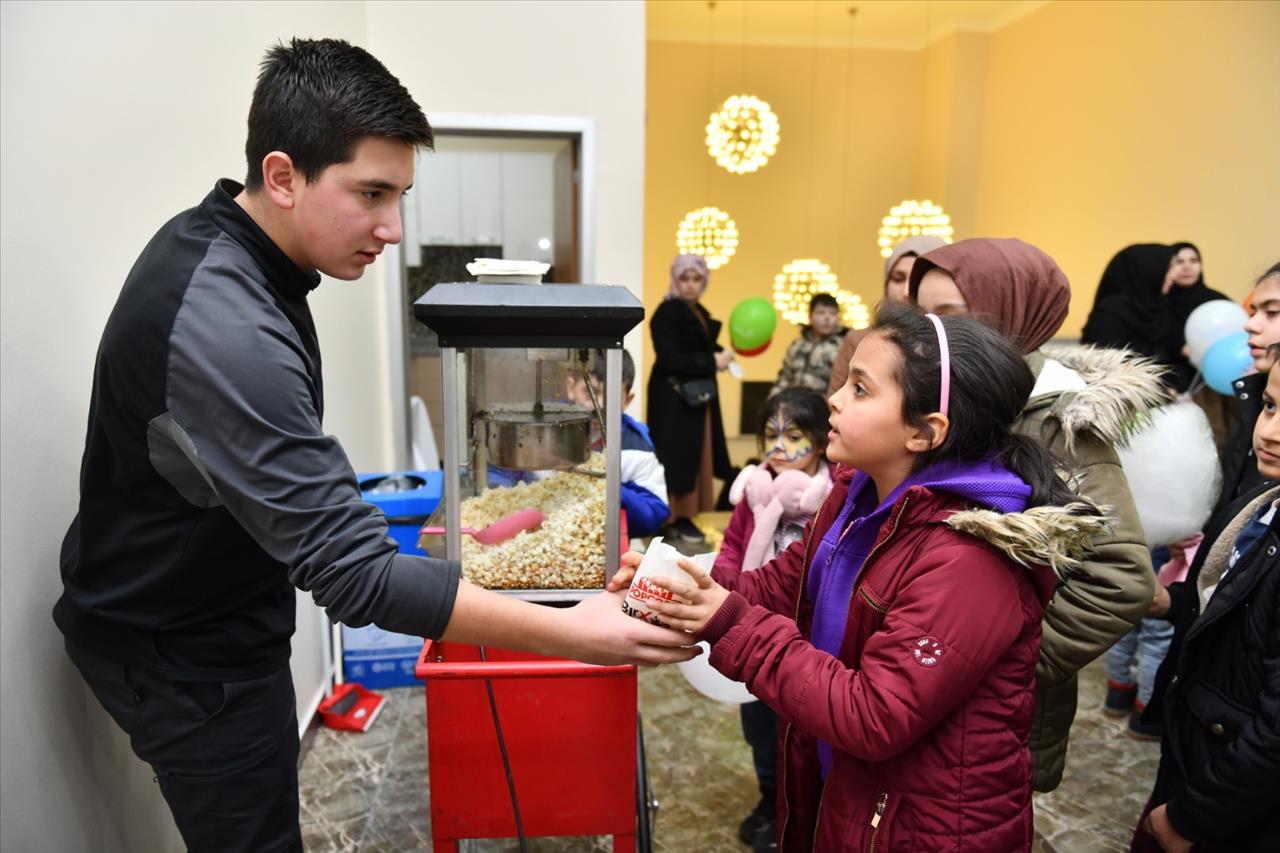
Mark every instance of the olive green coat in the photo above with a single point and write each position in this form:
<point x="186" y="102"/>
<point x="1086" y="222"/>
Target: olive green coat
<point x="1086" y="403"/>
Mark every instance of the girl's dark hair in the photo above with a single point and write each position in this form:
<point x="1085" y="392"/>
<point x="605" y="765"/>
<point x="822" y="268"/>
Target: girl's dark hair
<point x="804" y="407"/>
<point x="1274" y="270"/>
<point x="990" y="385"/>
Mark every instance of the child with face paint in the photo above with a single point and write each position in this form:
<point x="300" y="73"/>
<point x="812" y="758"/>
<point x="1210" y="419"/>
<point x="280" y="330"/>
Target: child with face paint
<point x="773" y="501"/>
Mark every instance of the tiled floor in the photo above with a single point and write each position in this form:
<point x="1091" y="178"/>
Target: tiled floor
<point x="369" y="792"/>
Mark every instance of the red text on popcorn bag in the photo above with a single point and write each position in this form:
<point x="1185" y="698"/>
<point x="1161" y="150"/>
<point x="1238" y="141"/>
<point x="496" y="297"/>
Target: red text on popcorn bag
<point x="643" y="590"/>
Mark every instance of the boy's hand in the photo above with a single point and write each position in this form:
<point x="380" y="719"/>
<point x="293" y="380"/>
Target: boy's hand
<point x="701" y="600"/>
<point x="603" y="634"/>
<point x="621" y="579"/>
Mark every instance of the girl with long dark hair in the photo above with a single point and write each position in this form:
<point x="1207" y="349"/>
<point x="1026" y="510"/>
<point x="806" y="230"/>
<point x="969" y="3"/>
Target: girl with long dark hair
<point x="898" y="640"/>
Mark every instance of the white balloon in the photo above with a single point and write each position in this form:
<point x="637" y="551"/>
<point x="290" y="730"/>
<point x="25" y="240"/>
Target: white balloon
<point x="1209" y="323"/>
<point x="1173" y="472"/>
<point x="706" y="680"/>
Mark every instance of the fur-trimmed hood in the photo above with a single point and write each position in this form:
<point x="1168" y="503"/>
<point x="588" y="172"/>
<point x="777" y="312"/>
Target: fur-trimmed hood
<point x="1111" y="397"/>
<point x="1060" y="537"/>
<point x="1053" y="536"/>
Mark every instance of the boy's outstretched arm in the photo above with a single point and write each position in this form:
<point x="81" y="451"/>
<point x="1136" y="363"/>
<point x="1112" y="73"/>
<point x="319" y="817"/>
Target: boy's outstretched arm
<point x="595" y="630"/>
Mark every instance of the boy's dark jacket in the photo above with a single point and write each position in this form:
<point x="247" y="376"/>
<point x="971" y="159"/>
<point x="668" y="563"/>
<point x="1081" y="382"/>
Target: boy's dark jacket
<point x="1218" y="691"/>
<point x="929" y="704"/>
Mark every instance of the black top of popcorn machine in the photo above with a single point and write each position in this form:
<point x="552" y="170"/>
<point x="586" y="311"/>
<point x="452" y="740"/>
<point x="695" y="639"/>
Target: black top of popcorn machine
<point x="527" y="427"/>
<point x="466" y="314"/>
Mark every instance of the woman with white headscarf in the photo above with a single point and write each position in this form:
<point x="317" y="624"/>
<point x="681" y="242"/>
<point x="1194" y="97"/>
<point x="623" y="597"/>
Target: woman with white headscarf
<point x="684" y="406"/>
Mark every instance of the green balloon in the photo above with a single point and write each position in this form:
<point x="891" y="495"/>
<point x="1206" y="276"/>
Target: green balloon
<point x="751" y="324"/>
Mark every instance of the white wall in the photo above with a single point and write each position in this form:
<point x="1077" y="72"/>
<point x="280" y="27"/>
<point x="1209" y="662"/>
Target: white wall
<point x="546" y="58"/>
<point x="114" y="118"/>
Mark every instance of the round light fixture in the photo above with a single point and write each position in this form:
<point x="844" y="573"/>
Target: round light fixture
<point x="797" y="284"/>
<point x="854" y="313"/>
<point x="709" y="232"/>
<point x="743" y="135"/>
<point x="910" y="219"/>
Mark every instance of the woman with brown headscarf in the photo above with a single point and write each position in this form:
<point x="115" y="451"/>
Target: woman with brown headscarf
<point x="1084" y="403"/>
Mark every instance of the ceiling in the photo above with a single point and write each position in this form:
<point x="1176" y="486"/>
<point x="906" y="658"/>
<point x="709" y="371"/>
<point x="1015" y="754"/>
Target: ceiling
<point x="902" y="24"/>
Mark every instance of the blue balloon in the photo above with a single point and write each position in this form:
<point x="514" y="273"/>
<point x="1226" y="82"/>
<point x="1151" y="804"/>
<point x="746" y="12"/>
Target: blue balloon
<point x="1226" y="361"/>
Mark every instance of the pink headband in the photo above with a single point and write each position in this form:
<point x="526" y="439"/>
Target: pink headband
<point x="944" y="356"/>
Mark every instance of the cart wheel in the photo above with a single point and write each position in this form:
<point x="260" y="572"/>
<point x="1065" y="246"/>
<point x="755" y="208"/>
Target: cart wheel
<point x="646" y="807"/>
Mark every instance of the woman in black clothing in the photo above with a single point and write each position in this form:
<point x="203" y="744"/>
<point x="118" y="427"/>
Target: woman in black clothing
<point x="684" y="407"/>
<point x="1146" y="294"/>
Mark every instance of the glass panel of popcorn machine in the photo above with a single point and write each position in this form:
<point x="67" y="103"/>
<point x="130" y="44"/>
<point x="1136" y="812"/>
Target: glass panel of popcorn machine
<point x="535" y="428"/>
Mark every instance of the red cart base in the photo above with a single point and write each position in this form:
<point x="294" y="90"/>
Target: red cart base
<point x="570" y="732"/>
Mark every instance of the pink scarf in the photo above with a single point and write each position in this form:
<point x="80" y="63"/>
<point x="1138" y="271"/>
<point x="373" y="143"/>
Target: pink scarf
<point x="791" y="495"/>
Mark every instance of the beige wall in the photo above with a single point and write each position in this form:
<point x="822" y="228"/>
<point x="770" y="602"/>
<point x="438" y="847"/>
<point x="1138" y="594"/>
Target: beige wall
<point x="1081" y="127"/>
<point x="1114" y="123"/>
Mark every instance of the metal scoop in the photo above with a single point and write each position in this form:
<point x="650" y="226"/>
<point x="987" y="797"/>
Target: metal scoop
<point x="500" y="531"/>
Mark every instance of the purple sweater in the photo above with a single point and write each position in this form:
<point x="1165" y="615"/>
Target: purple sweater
<point x="844" y="548"/>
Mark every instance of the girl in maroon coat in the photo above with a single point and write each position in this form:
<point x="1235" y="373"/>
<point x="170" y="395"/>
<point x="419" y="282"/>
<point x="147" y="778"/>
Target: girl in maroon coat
<point x="898" y="640"/>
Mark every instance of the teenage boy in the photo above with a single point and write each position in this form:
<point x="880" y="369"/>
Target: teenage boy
<point x="644" y="481"/>
<point x="209" y="489"/>
<point x="808" y="361"/>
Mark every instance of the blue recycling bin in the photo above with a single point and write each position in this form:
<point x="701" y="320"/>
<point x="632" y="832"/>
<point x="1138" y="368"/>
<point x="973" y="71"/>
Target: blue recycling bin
<point x="406" y="498"/>
<point x="371" y="656"/>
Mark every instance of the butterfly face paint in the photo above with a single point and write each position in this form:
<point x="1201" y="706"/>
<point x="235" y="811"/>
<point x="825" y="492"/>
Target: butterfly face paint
<point x="786" y="446"/>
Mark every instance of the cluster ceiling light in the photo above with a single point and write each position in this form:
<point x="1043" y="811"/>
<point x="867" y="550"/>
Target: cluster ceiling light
<point x="743" y="135"/>
<point x="910" y="219"/>
<point x="853" y="311"/>
<point x="798" y="282"/>
<point x="709" y="232"/>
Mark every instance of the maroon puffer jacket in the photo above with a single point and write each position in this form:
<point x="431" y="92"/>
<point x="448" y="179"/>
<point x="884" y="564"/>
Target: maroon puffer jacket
<point x="929" y="705"/>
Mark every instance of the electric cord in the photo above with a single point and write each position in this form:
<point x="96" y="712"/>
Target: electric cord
<point x="506" y="760"/>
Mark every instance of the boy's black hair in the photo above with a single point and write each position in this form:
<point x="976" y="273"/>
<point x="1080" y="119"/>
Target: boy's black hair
<point x="823" y="299"/>
<point x="628" y="370"/>
<point x="805" y="408"/>
<point x="990" y="385"/>
<point x="316" y="99"/>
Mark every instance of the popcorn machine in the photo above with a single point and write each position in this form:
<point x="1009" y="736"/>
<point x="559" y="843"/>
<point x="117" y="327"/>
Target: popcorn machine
<point x="532" y="475"/>
<point x="527" y="428"/>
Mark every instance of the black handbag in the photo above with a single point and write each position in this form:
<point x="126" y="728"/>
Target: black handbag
<point x="695" y="392"/>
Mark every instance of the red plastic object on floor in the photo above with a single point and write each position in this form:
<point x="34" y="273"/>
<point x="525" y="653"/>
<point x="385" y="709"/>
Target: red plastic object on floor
<point x="570" y="732"/>
<point x="351" y="708"/>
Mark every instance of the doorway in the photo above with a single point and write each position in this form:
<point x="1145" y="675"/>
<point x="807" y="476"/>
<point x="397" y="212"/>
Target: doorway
<point x="517" y="188"/>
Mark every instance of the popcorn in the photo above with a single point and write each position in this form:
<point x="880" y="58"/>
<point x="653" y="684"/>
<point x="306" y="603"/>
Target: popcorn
<point x="567" y="552"/>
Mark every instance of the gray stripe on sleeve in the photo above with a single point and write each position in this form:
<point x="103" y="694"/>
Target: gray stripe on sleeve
<point x="173" y="454"/>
